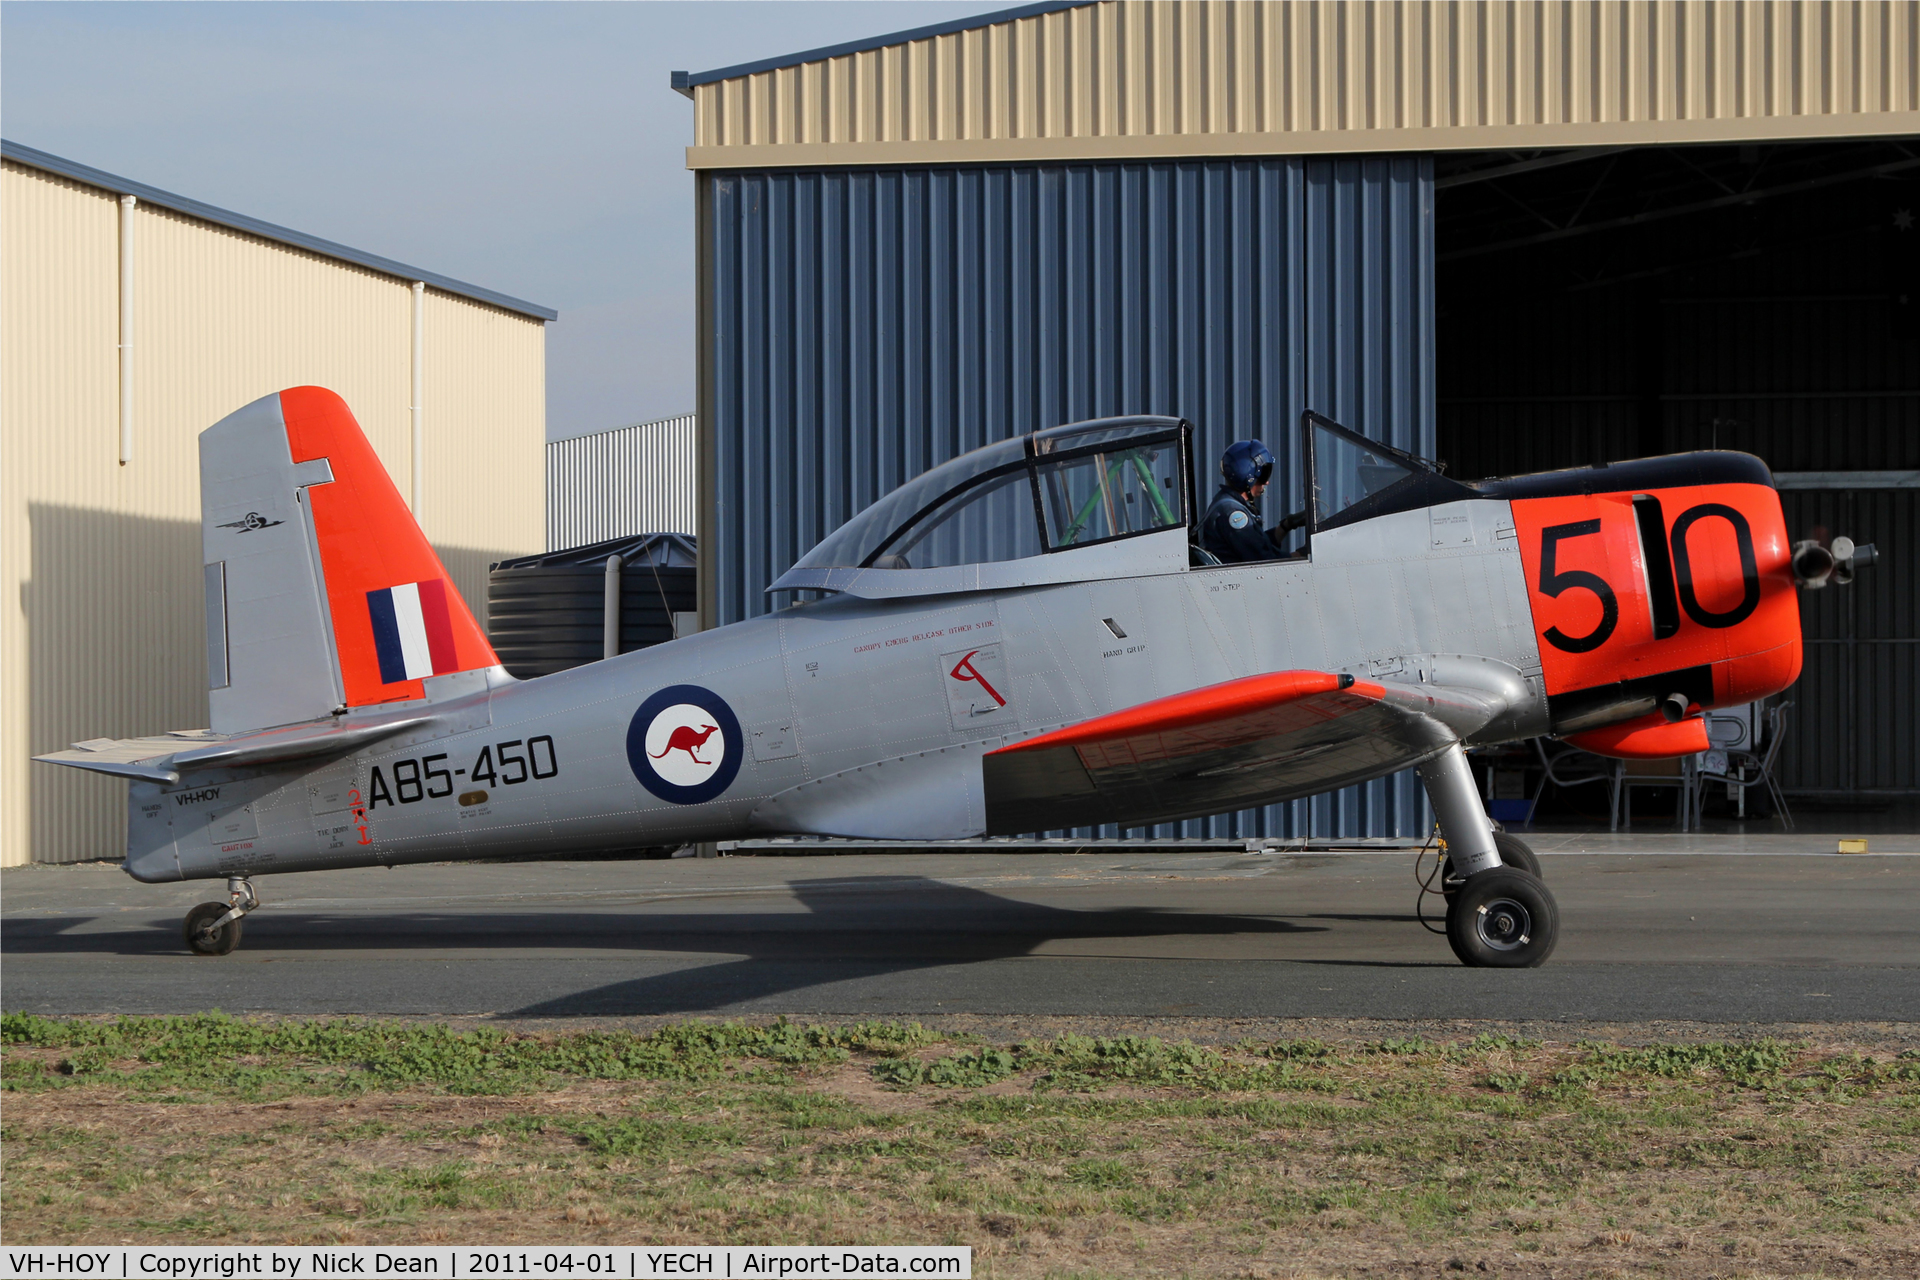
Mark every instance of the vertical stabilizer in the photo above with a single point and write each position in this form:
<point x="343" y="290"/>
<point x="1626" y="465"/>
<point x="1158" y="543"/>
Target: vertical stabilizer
<point x="321" y="590"/>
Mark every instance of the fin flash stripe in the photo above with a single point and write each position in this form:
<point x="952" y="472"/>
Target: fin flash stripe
<point x="412" y="631"/>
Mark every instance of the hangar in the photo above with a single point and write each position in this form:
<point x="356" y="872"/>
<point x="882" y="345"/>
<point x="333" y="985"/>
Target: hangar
<point x="133" y="319"/>
<point x="1507" y="236"/>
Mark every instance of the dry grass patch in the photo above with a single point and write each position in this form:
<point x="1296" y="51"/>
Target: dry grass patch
<point x="1068" y="1155"/>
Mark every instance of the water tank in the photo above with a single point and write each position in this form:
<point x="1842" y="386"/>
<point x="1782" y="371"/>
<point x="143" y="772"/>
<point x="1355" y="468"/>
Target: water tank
<point x="546" y="613"/>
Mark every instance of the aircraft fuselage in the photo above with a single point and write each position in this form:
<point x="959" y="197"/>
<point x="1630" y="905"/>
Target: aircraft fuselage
<point x="860" y="717"/>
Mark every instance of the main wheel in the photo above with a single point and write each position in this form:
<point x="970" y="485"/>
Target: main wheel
<point x="218" y="942"/>
<point x="1503" y="919"/>
<point x="1514" y="852"/>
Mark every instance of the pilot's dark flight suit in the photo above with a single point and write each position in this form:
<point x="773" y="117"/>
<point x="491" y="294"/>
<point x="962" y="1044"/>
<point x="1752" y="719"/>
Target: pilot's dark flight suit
<point x="1231" y="531"/>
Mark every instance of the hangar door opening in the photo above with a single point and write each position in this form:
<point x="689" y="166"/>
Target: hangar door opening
<point x="864" y="325"/>
<point x="1609" y="304"/>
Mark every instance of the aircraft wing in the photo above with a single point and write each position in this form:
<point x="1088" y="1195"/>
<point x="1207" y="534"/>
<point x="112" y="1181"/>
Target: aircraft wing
<point x="1234" y="745"/>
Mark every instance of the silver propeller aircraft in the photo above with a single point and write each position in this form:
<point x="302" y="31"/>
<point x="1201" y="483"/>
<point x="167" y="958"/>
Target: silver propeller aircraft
<point x="1092" y="665"/>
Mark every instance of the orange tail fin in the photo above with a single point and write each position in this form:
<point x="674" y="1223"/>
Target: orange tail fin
<point x="321" y="589"/>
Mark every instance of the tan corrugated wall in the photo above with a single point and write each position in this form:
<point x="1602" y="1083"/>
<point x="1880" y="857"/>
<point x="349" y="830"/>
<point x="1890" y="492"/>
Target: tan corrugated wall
<point x="1159" y="77"/>
<point x="102" y="632"/>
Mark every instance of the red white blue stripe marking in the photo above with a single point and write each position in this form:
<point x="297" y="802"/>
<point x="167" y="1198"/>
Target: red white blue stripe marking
<point x="412" y="630"/>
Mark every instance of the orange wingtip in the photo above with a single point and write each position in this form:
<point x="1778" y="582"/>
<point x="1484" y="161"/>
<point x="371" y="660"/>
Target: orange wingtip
<point x="1203" y="706"/>
<point x="1650" y="737"/>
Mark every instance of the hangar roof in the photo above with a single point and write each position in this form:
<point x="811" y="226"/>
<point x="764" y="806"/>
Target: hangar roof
<point x="1133" y="79"/>
<point x="36" y="159"/>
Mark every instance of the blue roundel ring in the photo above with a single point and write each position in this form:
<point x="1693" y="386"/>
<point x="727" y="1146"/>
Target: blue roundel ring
<point x="711" y="703"/>
<point x="1238" y="519"/>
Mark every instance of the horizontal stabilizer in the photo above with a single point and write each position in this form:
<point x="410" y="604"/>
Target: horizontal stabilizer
<point x="168" y="757"/>
<point x="1244" y="742"/>
<point x="148" y="759"/>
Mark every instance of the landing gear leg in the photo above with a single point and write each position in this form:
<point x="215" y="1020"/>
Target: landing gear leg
<point x="213" y="928"/>
<point x="1500" y="916"/>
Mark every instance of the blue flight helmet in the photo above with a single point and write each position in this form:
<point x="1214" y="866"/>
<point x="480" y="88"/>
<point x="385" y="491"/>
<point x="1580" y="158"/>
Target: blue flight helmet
<point x="1245" y="464"/>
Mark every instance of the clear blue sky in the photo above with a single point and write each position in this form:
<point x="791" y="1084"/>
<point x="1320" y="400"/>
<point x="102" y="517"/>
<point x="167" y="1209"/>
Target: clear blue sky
<point x="533" y="148"/>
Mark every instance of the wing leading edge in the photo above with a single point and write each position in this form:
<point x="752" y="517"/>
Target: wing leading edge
<point x="1245" y="742"/>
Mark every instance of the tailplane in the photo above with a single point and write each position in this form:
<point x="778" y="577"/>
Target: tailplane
<point x="322" y="592"/>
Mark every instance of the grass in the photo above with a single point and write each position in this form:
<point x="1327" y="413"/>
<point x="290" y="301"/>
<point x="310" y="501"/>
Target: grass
<point x="1064" y="1155"/>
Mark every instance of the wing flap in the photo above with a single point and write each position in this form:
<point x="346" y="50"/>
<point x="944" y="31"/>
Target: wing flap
<point x="1233" y="745"/>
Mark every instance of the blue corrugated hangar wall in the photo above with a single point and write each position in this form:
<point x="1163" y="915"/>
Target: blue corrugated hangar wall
<point x="863" y="325"/>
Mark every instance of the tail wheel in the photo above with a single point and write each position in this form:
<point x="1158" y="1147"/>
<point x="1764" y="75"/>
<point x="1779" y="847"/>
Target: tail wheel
<point x="1503" y="919"/>
<point x="210" y="942"/>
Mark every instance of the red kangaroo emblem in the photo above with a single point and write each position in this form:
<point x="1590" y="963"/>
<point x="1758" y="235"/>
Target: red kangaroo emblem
<point x="688" y="739"/>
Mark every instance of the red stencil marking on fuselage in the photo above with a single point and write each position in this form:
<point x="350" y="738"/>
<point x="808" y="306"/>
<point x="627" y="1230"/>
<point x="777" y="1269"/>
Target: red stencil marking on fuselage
<point x="966" y="665"/>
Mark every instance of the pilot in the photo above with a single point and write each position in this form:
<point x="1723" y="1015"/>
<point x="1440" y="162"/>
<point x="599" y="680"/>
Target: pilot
<point x="1231" y="527"/>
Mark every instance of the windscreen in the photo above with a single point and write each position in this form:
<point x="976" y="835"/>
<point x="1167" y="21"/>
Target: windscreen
<point x="1347" y="471"/>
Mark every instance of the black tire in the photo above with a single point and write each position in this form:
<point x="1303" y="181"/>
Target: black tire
<point x="1503" y="919"/>
<point x="1514" y="852"/>
<point x="221" y="941"/>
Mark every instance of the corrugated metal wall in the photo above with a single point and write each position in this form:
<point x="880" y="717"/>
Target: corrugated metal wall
<point x="102" y="631"/>
<point x="865" y="325"/>
<point x="612" y="484"/>
<point x="1329" y="75"/>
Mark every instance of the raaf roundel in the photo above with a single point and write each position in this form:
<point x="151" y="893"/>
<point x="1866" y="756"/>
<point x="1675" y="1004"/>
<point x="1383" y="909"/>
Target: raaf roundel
<point x="1096" y="667"/>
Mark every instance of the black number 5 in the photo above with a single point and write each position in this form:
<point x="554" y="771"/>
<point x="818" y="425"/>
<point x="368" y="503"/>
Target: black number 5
<point x="1552" y="584"/>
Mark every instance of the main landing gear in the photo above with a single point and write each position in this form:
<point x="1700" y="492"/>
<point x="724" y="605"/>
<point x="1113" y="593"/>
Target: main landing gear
<point x="1500" y="913"/>
<point x="213" y="928"/>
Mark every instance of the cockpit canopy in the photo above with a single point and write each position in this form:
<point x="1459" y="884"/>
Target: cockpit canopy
<point x="1062" y="489"/>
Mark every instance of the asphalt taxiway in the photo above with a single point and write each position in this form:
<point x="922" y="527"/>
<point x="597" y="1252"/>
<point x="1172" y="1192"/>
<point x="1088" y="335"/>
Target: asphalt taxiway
<point x="1735" y="929"/>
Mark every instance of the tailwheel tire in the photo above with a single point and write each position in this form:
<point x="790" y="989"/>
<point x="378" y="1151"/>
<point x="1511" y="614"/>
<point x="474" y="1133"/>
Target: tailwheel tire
<point x="1503" y="919"/>
<point x="216" y="942"/>
<point x="1514" y="852"/>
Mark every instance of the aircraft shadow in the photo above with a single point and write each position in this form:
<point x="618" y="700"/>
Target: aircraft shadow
<point x="848" y="927"/>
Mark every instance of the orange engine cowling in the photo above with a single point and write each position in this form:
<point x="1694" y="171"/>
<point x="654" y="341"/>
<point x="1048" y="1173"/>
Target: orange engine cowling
<point x="1643" y="593"/>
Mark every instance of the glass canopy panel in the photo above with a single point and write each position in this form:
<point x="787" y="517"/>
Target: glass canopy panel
<point x="1346" y="472"/>
<point x="852" y="543"/>
<point x="984" y="523"/>
<point x="1112" y="477"/>
<point x="1111" y="492"/>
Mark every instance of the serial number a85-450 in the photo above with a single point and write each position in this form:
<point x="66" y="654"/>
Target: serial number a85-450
<point x="498" y="764"/>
